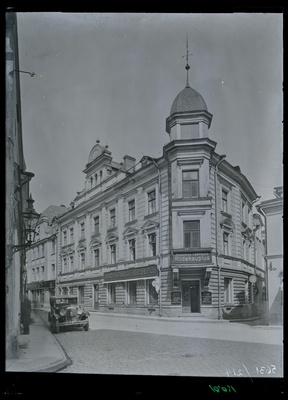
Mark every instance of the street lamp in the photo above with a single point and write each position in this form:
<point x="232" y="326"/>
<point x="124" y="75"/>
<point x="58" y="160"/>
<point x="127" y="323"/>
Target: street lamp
<point x="30" y="218"/>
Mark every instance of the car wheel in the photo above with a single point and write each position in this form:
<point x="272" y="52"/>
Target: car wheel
<point x="86" y="327"/>
<point x="57" y="327"/>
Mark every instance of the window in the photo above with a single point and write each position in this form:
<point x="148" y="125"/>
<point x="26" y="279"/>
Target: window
<point x="53" y="270"/>
<point x="64" y="238"/>
<point x="244" y="252"/>
<point x="192" y="234"/>
<point x="112" y="218"/>
<point x="152" y="295"/>
<point x="152" y="202"/>
<point x="33" y="274"/>
<point x="131" y="206"/>
<point x="132" y="249"/>
<point x="81" y="294"/>
<point x="132" y="292"/>
<point x="82" y="261"/>
<point x="71" y="263"/>
<point x="113" y="253"/>
<point x="224" y="201"/>
<point x="190" y="184"/>
<point x="111" y="293"/>
<point x="152" y="244"/>
<point x="64" y="269"/>
<point x="100" y="175"/>
<point x="82" y="230"/>
<point x="53" y="245"/>
<point x="42" y="248"/>
<point x="96" y="225"/>
<point x="37" y="273"/>
<point x="96" y="258"/>
<point x="243" y="211"/>
<point x="226" y="243"/>
<point x="228" y="290"/>
<point x="96" y="179"/>
<point x="42" y="272"/>
<point x="71" y="235"/>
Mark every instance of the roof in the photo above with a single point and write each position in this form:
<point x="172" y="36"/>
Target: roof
<point x="188" y="100"/>
<point x="53" y="211"/>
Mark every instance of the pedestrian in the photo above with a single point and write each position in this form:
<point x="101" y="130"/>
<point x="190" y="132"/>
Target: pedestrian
<point x="26" y="315"/>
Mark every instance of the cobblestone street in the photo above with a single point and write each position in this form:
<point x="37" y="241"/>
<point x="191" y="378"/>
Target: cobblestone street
<point x="120" y="352"/>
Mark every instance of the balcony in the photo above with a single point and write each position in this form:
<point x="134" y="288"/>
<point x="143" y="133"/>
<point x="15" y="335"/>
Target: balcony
<point x="192" y="256"/>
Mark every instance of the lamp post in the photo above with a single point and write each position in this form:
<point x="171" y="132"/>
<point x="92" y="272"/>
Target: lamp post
<point x="29" y="223"/>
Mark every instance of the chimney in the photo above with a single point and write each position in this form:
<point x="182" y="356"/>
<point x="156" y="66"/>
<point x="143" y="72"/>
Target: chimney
<point x="129" y="162"/>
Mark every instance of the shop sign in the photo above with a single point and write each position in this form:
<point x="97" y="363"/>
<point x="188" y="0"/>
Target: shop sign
<point x="175" y="298"/>
<point x="142" y="272"/>
<point x="195" y="258"/>
<point x="206" y="297"/>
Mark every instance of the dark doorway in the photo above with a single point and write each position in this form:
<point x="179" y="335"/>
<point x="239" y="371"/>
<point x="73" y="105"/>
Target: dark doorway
<point x="96" y="297"/>
<point x="190" y="296"/>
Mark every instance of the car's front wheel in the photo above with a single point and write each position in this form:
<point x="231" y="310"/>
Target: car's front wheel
<point x="86" y="327"/>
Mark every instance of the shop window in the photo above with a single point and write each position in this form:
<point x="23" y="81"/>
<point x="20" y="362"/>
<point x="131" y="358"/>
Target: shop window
<point x="152" y="202"/>
<point x="228" y="290"/>
<point x="111" y="293"/>
<point x="190" y="184"/>
<point x="191" y="234"/>
<point x="152" y="295"/>
<point x="131" y="206"/>
<point x="132" y="292"/>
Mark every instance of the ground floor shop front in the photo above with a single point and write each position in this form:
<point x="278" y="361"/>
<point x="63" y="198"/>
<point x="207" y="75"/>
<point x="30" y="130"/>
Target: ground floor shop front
<point x="173" y="292"/>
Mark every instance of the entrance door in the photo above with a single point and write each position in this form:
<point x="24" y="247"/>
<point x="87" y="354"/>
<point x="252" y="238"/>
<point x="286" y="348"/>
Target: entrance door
<point x="190" y="296"/>
<point x="96" y="297"/>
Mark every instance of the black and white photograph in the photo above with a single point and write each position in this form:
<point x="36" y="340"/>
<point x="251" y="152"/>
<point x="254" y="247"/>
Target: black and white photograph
<point x="144" y="195"/>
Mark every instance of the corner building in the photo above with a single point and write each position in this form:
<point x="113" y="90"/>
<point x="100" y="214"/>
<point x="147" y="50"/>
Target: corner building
<point x="173" y="236"/>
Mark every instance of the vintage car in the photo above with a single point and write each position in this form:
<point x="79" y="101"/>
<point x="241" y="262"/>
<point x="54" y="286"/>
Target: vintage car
<point x="65" y="311"/>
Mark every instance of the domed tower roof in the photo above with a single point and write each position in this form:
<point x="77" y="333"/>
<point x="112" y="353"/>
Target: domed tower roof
<point x="188" y="100"/>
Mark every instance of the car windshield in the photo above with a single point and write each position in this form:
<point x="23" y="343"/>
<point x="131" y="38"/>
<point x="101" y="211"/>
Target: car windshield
<point x="66" y="301"/>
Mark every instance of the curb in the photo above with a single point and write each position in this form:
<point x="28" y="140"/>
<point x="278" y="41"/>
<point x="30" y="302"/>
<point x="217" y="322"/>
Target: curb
<point x="57" y="365"/>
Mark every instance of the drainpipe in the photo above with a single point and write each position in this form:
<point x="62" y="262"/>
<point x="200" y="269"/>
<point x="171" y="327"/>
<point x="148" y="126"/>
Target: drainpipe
<point x="159" y="235"/>
<point x="216" y="237"/>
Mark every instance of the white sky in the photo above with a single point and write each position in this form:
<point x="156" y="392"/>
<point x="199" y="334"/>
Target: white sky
<point x="115" y="76"/>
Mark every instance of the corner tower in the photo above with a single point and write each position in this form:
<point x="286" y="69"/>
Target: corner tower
<point x="189" y="117"/>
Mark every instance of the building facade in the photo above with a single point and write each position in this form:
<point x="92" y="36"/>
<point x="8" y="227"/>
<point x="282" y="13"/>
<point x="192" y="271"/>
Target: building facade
<point x="171" y="236"/>
<point x="272" y="211"/>
<point x="16" y="193"/>
<point x="41" y="258"/>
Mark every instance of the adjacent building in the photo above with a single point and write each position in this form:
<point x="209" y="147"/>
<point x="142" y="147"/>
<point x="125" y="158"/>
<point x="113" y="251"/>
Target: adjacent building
<point x="16" y="194"/>
<point x="272" y="210"/>
<point x="41" y="258"/>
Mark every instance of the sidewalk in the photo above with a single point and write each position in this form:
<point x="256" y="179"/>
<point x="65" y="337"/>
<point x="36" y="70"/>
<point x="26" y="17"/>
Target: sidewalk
<point x="43" y="352"/>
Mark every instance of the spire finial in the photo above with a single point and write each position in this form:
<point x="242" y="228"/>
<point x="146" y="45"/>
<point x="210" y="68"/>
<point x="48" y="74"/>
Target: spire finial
<point x="187" y="67"/>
